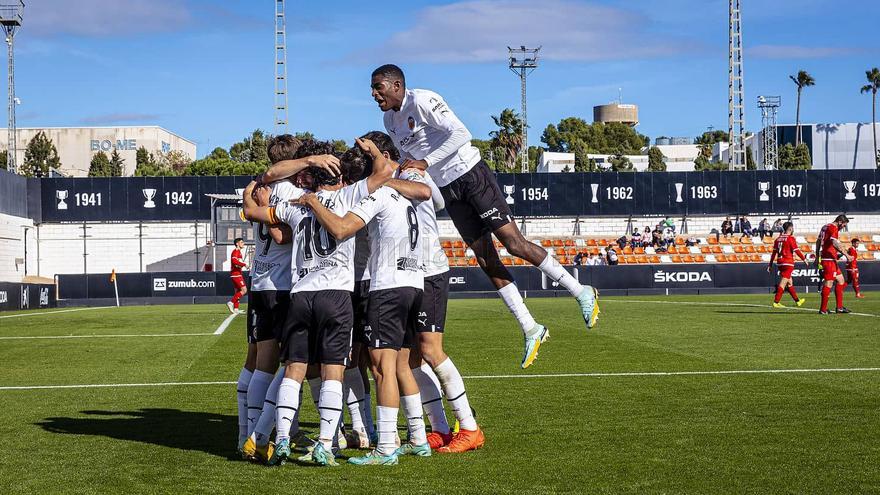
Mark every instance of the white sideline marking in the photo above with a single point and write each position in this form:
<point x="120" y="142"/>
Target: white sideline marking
<point x="747" y="305"/>
<point x="225" y="324"/>
<point x="55" y="312"/>
<point x="104" y="336"/>
<point x="477" y="377"/>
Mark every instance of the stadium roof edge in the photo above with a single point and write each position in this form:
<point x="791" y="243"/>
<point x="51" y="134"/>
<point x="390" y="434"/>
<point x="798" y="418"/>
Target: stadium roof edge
<point x="103" y="127"/>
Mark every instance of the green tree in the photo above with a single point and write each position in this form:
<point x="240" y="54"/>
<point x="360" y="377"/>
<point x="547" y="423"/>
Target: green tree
<point x="508" y="138"/>
<point x="795" y="157"/>
<point x="117" y="165"/>
<point x="655" y="160"/>
<point x="596" y="137"/>
<point x="873" y="85"/>
<point x="802" y="80"/>
<point x="251" y="149"/>
<point x="100" y="165"/>
<point x="39" y="156"/>
<point x="305" y="136"/>
<point x="175" y="161"/>
<point x="712" y="137"/>
<point x="219" y="154"/>
<point x="338" y="144"/>
<point x="4" y="156"/>
<point x="750" y="160"/>
<point x="486" y="151"/>
<point x="620" y="163"/>
<point x="701" y="163"/>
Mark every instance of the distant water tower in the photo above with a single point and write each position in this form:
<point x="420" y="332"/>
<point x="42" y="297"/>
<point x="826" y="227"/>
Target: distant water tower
<point x="617" y="112"/>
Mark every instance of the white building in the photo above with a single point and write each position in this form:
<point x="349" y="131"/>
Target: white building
<point x="679" y="157"/>
<point x="77" y="145"/>
<point x="552" y="162"/>
<point x="640" y="162"/>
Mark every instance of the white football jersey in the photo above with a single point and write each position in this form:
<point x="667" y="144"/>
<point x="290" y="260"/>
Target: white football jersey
<point x="424" y="128"/>
<point x="271" y="268"/>
<point x="396" y="253"/>
<point x="433" y="255"/>
<point x="321" y="261"/>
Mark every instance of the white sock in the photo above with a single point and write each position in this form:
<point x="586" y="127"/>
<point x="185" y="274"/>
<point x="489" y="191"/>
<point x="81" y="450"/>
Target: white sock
<point x="256" y="394"/>
<point x="354" y="398"/>
<point x="288" y="404"/>
<point x="267" y="415"/>
<point x="330" y="409"/>
<point x="415" y="422"/>
<point x="241" y="388"/>
<point x="432" y="398"/>
<point x="453" y="386"/>
<point x="514" y="301"/>
<point x="555" y="271"/>
<point x="387" y="425"/>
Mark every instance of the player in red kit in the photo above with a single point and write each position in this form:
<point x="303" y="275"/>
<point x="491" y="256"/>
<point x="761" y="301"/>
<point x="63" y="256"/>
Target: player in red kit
<point x="828" y="247"/>
<point x="237" y="262"/>
<point x="852" y="268"/>
<point x="784" y="249"/>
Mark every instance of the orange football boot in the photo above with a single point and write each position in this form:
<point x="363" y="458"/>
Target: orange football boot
<point x="465" y="440"/>
<point x="437" y="440"/>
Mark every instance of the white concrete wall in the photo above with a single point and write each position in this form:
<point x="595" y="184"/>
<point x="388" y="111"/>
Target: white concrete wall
<point x="14" y="233"/>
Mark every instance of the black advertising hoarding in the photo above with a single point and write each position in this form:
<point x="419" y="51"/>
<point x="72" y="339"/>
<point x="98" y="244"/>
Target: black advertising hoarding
<point x="16" y="296"/>
<point x="532" y="195"/>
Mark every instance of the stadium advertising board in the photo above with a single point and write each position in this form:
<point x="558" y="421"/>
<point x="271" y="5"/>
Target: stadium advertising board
<point x="15" y="296"/>
<point x="561" y="194"/>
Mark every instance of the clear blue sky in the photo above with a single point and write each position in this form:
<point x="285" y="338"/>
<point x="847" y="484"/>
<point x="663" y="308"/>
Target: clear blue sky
<point x="204" y="69"/>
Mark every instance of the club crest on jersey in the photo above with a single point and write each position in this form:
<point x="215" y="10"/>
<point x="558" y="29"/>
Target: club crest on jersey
<point x="411" y="122"/>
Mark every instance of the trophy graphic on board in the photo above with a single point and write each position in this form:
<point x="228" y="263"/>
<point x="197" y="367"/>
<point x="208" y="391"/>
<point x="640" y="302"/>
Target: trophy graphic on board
<point x="239" y="193"/>
<point x="764" y="187"/>
<point x="595" y="189"/>
<point x="509" y="190"/>
<point x="678" y="187"/>
<point x="149" y="194"/>
<point x="61" y="195"/>
<point x="850" y="186"/>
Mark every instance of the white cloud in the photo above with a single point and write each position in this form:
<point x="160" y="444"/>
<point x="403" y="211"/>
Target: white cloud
<point x="99" y="18"/>
<point x="481" y="30"/>
<point x="798" y="51"/>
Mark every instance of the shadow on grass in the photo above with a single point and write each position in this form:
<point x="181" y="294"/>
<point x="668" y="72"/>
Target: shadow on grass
<point x="211" y="433"/>
<point x="787" y="314"/>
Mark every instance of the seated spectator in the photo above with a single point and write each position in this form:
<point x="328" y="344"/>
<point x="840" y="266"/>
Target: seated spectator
<point x="745" y="227"/>
<point x="600" y="260"/>
<point x="691" y="241"/>
<point x="777" y="226"/>
<point x="727" y="227"/>
<point x="656" y="238"/>
<point x="610" y="256"/>
<point x="636" y="239"/>
<point x="646" y="234"/>
<point x="764" y="228"/>
<point x="579" y="258"/>
<point x="669" y="236"/>
<point x="668" y="223"/>
<point x="622" y="241"/>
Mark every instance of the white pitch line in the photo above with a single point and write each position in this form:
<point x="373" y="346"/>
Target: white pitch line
<point x="94" y="336"/>
<point x="225" y="324"/>
<point x="478" y="377"/>
<point x="55" y="312"/>
<point x="746" y="305"/>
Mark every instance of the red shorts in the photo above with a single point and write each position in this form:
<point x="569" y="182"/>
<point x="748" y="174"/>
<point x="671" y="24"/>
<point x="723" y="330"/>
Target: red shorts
<point x="830" y="270"/>
<point x="852" y="275"/>
<point x="785" y="270"/>
<point x="237" y="281"/>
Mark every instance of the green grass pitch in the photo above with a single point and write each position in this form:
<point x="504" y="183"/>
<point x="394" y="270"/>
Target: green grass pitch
<point x="619" y="429"/>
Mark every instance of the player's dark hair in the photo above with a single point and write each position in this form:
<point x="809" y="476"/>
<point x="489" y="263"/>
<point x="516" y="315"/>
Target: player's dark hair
<point x="390" y="72"/>
<point x="841" y="219"/>
<point x="312" y="148"/>
<point x="786" y="226"/>
<point x="283" y="147"/>
<point x="384" y="143"/>
<point x="856" y="240"/>
<point x="237" y="240"/>
<point x="356" y="165"/>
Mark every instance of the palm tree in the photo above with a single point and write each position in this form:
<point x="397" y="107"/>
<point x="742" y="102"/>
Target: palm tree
<point x="508" y="136"/>
<point x="873" y="85"/>
<point x="802" y="80"/>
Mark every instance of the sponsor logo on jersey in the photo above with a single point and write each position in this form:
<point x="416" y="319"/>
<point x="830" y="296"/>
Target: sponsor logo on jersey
<point x="486" y="214"/>
<point x="408" y="265"/>
<point x="456" y="281"/>
<point x="666" y="277"/>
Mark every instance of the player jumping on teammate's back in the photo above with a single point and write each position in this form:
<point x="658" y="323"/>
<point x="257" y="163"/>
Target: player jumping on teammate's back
<point x="320" y="318"/>
<point x="852" y="268"/>
<point x="269" y="298"/>
<point x="828" y="247"/>
<point x="784" y="249"/>
<point x="237" y="263"/>
<point x="432" y="368"/>
<point x="396" y="268"/>
<point x="430" y="137"/>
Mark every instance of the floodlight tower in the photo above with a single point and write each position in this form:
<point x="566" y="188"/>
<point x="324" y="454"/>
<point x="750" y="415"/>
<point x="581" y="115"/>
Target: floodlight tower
<point x="735" y="108"/>
<point x="280" y="69"/>
<point x="523" y="61"/>
<point x="10" y="19"/>
<point x="769" y="106"/>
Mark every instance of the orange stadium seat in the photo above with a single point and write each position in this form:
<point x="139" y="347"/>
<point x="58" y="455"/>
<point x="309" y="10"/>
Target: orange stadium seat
<point x="591" y="242"/>
<point x="751" y="249"/>
<point x="631" y="259"/>
<point x="724" y="240"/>
<point x="449" y="253"/>
<point x="569" y="243"/>
<point x="546" y="243"/>
<point x="654" y="259"/>
<point x="700" y="258"/>
<point x="687" y="258"/>
<point x="735" y="240"/>
<point x="458" y="244"/>
<point x="571" y="251"/>
<point x="557" y="243"/>
<point x="627" y="250"/>
<point x="807" y="248"/>
<point x="738" y="249"/>
<point x="520" y="262"/>
<point x="593" y="250"/>
<point x="676" y="259"/>
<point x="746" y="240"/>
<point x="565" y="261"/>
<point x="642" y="259"/>
<point x="498" y="244"/>
<point x="812" y="239"/>
<point x="717" y="250"/>
<point x="560" y="252"/>
<point x="761" y="249"/>
<point x="506" y="261"/>
<point x="621" y="260"/>
<point x="712" y="240"/>
<point x="639" y="250"/>
<point x="754" y="258"/>
<point x="705" y="249"/>
<point x="603" y="242"/>
<point x="679" y="241"/>
<point x="459" y="253"/>
<point x="720" y="258"/>
<point x="446" y="244"/>
<point x="472" y="262"/>
<point x="873" y="247"/>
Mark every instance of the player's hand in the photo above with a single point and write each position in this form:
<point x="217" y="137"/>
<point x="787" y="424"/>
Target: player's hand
<point x="261" y="194"/>
<point x="304" y="200"/>
<point x="416" y="164"/>
<point x="327" y="162"/>
<point x="768" y="269"/>
<point x="369" y="147"/>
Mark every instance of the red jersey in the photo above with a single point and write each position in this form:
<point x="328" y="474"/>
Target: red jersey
<point x="784" y="249"/>
<point x="827" y="251"/>
<point x="854" y="254"/>
<point x="237" y="263"/>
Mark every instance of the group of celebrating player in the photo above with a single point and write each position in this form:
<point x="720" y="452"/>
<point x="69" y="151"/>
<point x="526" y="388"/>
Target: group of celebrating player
<point x="348" y="275"/>
<point x="830" y="250"/>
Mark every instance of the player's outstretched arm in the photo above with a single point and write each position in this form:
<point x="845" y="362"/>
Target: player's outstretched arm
<point x="287" y="168"/>
<point x="251" y="207"/>
<point x="414" y="191"/>
<point x="841" y="249"/>
<point x="340" y="228"/>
